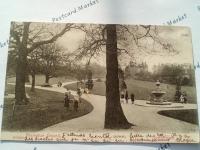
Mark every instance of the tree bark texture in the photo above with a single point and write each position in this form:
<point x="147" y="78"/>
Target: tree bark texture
<point x="20" y="94"/>
<point x="114" y="116"/>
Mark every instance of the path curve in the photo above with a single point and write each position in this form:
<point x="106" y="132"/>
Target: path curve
<point x="145" y="119"/>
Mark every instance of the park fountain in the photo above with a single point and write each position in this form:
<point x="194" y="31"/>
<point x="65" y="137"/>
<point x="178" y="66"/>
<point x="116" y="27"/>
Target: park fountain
<point x="156" y="96"/>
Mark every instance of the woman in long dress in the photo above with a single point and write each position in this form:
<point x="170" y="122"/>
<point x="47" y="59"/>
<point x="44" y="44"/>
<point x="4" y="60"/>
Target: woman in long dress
<point x="126" y="96"/>
<point x="182" y="98"/>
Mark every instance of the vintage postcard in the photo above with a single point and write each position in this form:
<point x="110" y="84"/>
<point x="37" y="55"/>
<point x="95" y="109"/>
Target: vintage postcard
<point x="118" y="83"/>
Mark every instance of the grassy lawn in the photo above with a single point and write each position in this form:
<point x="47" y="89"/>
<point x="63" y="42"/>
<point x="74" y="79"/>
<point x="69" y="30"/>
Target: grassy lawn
<point x="142" y="89"/>
<point x="40" y="80"/>
<point x="45" y="109"/>
<point x="184" y="115"/>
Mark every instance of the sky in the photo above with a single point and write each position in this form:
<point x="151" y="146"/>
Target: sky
<point x="179" y="37"/>
<point x="71" y="40"/>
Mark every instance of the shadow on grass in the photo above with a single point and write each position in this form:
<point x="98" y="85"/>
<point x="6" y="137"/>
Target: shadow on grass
<point x="187" y="115"/>
<point x="45" y="109"/>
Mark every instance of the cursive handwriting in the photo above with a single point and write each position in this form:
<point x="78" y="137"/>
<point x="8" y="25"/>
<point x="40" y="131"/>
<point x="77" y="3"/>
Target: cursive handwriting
<point x="111" y="137"/>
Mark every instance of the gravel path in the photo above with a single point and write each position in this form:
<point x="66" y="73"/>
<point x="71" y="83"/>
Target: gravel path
<point x="144" y="118"/>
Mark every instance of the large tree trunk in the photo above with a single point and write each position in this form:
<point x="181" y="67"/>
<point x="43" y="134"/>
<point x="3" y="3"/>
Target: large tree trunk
<point x="114" y="116"/>
<point x="20" y="94"/>
<point x="33" y="82"/>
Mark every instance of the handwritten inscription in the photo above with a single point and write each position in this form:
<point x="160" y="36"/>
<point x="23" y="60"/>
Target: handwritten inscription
<point x="110" y="137"/>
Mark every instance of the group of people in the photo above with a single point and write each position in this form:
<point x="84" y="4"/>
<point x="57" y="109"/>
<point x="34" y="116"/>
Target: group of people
<point x="183" y="98"/>
<point x="59" y="84"/>
<point x="75" y="100"/>
<point x="124" y="97"/>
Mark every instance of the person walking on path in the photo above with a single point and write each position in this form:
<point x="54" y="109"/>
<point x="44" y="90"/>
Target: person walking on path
<point x="185" y="97"/>
<point x="122" y="97"/>
<point x="79" y="93"/>
<point x="59" y="84"/>
<point x="182" y="98"/>
<point x="75" y="105"/>
<point x="126" y="96"/>
<point x="132" y="98"/>
<point x="66" y="101"/>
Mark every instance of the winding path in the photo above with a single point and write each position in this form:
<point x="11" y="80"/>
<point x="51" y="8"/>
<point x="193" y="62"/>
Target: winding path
<point x="144" y="118"/>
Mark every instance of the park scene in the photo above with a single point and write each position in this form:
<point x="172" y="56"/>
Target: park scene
<point x="96" y="77"/>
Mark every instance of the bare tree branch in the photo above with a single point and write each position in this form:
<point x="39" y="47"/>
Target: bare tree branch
<point x="52" y="39"/>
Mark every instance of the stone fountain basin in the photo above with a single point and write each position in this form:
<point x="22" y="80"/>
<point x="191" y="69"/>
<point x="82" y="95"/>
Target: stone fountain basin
<point x="158" y="93"/>
<point x="158" y="103"/>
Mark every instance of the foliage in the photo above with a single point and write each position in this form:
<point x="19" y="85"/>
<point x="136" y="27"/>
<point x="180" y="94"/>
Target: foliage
<point x="171" y="73"/>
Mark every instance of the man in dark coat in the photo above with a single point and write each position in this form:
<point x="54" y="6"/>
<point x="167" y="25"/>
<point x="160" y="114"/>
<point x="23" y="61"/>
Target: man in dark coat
<point x="185" y="97"/>
<point x="76" y="105"/>
<point x="126" y="96"/>
<point x="132" y="98"/>
<point x="66" y="101"/>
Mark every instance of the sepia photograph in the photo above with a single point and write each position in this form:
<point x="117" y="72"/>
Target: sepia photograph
<point x="74" y="82"/>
